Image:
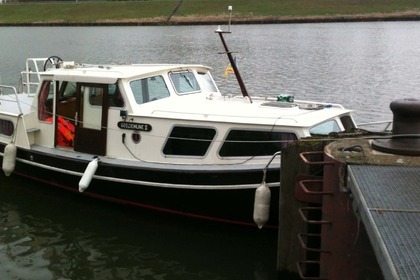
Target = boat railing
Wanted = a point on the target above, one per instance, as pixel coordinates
(14, 92)
(384, 126)
(30, 76)
(294, 101)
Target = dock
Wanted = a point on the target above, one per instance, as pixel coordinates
(349, 212)
(388, 201)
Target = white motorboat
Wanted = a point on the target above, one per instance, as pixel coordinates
(161, 137)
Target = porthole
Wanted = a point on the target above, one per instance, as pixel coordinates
(136, 137)
(6, 127)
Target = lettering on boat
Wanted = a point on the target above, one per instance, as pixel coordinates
(135, 126)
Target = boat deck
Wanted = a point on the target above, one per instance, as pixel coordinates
(388, 202)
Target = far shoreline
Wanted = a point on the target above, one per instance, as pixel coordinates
(190, 20)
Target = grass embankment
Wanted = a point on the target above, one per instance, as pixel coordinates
(204, 11)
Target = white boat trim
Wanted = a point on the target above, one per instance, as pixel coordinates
(152, 184)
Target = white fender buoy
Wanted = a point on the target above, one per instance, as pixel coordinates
(88, 175)
(9, 159)
(262, 205)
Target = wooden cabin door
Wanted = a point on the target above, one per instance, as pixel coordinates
(91, 118)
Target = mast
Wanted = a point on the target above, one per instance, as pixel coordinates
(230, 57)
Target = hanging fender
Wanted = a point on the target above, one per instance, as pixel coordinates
(262, 205)
(88, 174)
(9, 159)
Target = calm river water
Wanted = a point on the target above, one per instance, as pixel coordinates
(47, 234)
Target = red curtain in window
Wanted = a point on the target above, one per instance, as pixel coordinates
(43, 111)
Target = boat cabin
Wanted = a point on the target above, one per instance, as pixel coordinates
(162, 113)
(160, 137)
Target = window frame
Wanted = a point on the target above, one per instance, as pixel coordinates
(336, 125)
(232, 152)
(46, 93)
(145, 89)
(177, 89)
(191, 146)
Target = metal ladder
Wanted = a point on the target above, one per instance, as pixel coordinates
(310, 190)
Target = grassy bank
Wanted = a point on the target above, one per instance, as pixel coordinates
(203, 11)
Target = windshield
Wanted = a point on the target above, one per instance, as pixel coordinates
(149, 89)
(207, 82)
(184, 82)
(325, 128)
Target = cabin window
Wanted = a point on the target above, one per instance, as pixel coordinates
(66, 100)
(91, 116)
(240, 143)
(67, 90)
(6, 127)
(184, 82)
(325, 128)
(95, 95)
(348, 123)
(207, 81)
(149, 89)
(189, 141)
(114, 96)
(45, 101)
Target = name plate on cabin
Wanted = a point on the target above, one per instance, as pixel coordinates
(135, 126)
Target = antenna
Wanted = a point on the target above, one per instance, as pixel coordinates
(230, 57)
(230, 16)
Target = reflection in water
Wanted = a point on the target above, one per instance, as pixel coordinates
(51, 234)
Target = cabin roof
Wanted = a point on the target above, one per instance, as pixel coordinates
(218, 108)
(236, 110)
(110, 73)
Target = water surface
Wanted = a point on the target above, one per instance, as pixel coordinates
(48, 234)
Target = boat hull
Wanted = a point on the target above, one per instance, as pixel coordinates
(209, 194)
